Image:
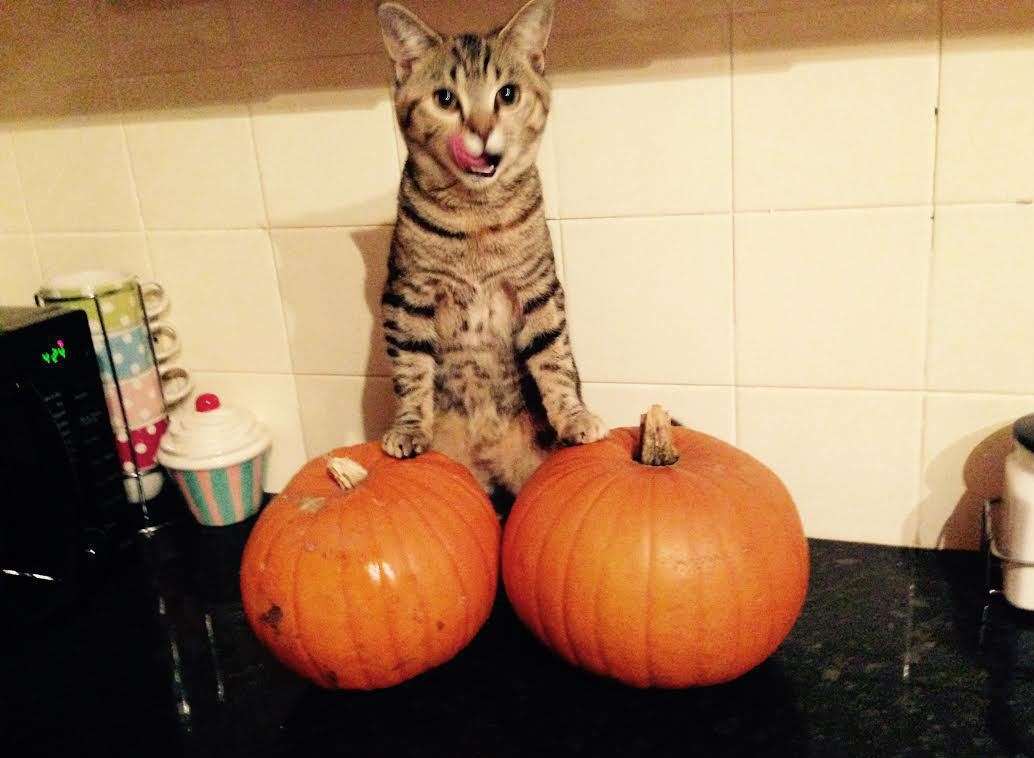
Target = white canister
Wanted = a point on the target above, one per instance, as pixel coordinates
(1014, 526)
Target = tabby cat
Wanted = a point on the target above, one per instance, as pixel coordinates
(473, 311)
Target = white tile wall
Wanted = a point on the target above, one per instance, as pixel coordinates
(225, 299)
(742, 197)
(13, 217)
(981, 310)
(653, 139)
(325, 143)
(75, 171)
(189, 138)
(849, 459)
(21, 274)
(547, 165)
(557, 238)
(331, 282)
(987, 74)
(832, 298)
(650, 299)
(343, 410)
(710, 410)
(834, 106)
(123, 251)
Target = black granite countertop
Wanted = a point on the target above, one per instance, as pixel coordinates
(883, 662)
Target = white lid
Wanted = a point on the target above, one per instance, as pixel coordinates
(213, 436)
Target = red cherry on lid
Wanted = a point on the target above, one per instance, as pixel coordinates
(206, 402)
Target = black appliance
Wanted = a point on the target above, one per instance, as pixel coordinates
(63, 507)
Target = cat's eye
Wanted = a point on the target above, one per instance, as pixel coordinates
(508, 94)
(445, 98)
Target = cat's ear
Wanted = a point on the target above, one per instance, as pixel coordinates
(528, 31)
(406, 37)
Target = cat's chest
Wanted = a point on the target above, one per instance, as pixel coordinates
(478, 314)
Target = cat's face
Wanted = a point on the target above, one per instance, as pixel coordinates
(472, 108)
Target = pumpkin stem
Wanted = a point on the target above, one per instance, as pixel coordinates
(656, 447)
(346, 472)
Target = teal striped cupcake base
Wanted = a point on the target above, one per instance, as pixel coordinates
(222, 496)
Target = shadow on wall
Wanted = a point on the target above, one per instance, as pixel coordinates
(65, 58)
(378, 400)
(983, 475)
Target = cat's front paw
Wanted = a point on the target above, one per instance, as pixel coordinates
(405, 441)
(581, 428)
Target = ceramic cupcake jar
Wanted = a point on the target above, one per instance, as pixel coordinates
(217, 455)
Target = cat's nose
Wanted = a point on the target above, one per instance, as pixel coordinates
(481, 126)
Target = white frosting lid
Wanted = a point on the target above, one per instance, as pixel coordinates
(212, 436)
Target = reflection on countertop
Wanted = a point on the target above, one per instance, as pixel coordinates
(884, 661)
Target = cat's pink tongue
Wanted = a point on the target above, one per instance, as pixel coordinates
(464, 159)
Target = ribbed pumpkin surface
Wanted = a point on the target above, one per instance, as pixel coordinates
(368, 587)
(659, 576)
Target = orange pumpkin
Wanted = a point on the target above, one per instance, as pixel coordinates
(659, 556)
(367, 570)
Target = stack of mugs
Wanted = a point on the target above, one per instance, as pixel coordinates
(133, 349)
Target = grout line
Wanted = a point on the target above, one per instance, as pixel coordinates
(928, 281)
(198, 230)
(732, 228)
(273, 254)
(36, 260)
(25, 209)
(389, 225)
(130, 165)
(683, 385)
(983, 203)
(134, 184)
(267, 228)
(21, 182)
(828, 209)
(816, 388)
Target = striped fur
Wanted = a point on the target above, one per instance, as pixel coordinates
(473, 310)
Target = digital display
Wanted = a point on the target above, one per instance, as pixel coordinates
(55, 354)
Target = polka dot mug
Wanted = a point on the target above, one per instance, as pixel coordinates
(114, 294)
(131, 350)
(137, 447)
(142, 396)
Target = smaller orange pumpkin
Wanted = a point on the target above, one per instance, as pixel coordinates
(367, 570)
(661, 557)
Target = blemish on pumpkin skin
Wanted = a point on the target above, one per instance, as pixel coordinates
(331, 678)
(311, 504)
(440, 625)
(272, 617)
